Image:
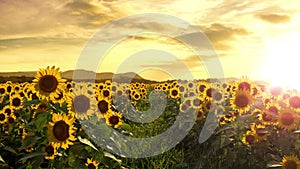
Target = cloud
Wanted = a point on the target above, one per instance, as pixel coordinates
(220, 35)
(275, 18)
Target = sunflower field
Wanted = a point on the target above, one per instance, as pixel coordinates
(51, 123)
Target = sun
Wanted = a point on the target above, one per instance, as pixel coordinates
(281, 64)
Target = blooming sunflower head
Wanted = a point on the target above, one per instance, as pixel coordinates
(113, 119)
(288, 119)
(61, 130)
(249, 138)
(290, 162)
(82, 101)
(241, 101)
(48, 82)
(16, 101)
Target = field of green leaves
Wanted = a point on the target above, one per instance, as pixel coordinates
(51, 123)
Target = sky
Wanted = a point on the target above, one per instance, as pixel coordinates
(256, 38)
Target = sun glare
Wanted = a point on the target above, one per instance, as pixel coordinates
(282, 63)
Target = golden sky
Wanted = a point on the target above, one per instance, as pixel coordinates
(256, 38)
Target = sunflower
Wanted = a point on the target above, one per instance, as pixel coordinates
(47, 82)
(290, 162)
(218, 96)
(60, 97)
(51, 152)
(260, 131)
(3, 117)
(61, 130)
(273, 109)
(288, 119)
(244, 84)
(241, 101)
(16, 101)
(249, 138)
(113, 119)
(82, 101)
(92, 164)
(195, 102)
(104, 105)
(294, 101)
(200, 114)
(8, 110)
(266, 118)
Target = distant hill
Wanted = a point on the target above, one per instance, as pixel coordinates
(81, 75)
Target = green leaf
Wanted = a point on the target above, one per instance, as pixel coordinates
(125, 126)
(29, 141)
(10, 149)
(42, 119)
(31, 102)
(32, 155)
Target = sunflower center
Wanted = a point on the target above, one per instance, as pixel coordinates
(250, 139)
(16, 102)
(241, 101)
(273, 111)
(48, 83)
(174, 92)
(295, 102)
(7, 111)
(244, 85)
(103, 106)
(91, 166)
(114, 120)
(196, 102)
(218, 96)
(209, 92)
(2, 91)
(2, 117)
(81, 104)
(49, 150)
(290, 164)
(106, 93)
(61, 130)
(266, 117)
(287, 119)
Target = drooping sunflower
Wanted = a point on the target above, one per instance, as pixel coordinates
(51, 152)
(113, 119)
(92, 164)
(288, 119)
(61, 130)
(16, 101)
(249, 138)
(241, 101)
(82, 101)
(290, 162)
(47, 82)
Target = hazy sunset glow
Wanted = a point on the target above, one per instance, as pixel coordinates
(257, 39)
